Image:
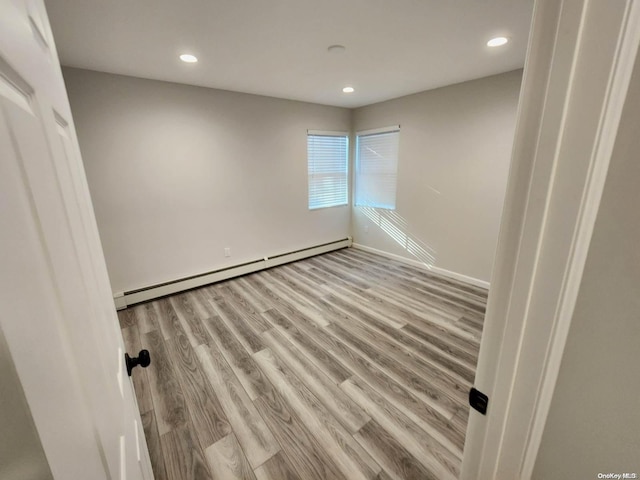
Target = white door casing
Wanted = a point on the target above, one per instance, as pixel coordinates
(579, 64)
(56, 312)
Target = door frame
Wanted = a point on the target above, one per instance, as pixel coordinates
(579, 64)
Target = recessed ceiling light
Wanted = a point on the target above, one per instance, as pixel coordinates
(497, 41)
(336, 48)
(348, 90)
(187, 58)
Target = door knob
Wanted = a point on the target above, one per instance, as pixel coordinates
(143, 359)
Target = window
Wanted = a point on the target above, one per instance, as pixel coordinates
(377, 167)
(327, 160)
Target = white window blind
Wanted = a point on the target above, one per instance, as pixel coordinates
(377, 167)
(327, 160)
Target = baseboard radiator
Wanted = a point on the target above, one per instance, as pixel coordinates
(126, 299)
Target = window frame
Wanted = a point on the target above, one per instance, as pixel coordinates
(327, 133)
(358, 202)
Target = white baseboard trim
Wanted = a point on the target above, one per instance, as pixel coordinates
(123, 300)
(120, 301)
(433, 269)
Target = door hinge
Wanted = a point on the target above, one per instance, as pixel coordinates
(478, 400)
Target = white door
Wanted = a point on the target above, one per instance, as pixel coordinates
(579, 64)
(56, 309)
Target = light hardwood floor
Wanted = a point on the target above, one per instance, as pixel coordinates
(342, 366)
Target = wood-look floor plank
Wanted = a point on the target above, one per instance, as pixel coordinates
(277, 467)
(460, 419)
(291, 296)
(347, 454)
(153, 445)
(313, 350)
(371, 305)
(371, 359)
(243, 302)
(210, 292)
(445, 340)
(427, 315)
(317, 276)
(471, 302)
(148, 318)
(327, 279)
(208, 418)
(437, 294)
(289, 319)
(256, 439)
(283, 301)
(463, 351)
(421, 304)
(296, 283)
(395, 282)
(433, 395)
(244, 367)
(183, 457)
(302, 278)
(421, 307)
(227, 461)
(421, 273)
(201, 303)
(341, 406)
(441, 354)
(464, 326)
(126, 318)
(132, 345)
(473, 323)
(168, 399)
(253, 296)
(347, 278)
(359, 305)
(397, 462)
(438, 370)
(434, 420)
(354, 259)
(438, 443)
(389, 275)
(188, 318)
(306, 456)
(383, 475)
(431, 454)
(369, 274)
(249, 339)
(168, 319)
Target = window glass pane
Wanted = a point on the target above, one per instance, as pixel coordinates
(376, 169)
(327, 161)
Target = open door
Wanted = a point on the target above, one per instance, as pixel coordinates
(56, 312)
(577, 74)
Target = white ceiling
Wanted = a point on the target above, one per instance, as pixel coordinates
(279, 47)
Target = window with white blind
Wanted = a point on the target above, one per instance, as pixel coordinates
(377, 167)
(327, 161)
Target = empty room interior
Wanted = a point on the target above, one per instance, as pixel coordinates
(339, 365)
(299, 206)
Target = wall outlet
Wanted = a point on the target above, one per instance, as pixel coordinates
(227, 252)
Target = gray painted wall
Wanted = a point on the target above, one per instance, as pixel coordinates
(179, 173)
(594, 421)
(455, 149)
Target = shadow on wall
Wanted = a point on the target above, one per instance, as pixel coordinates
(396, 227)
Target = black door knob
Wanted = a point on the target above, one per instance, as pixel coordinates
(143, 359)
